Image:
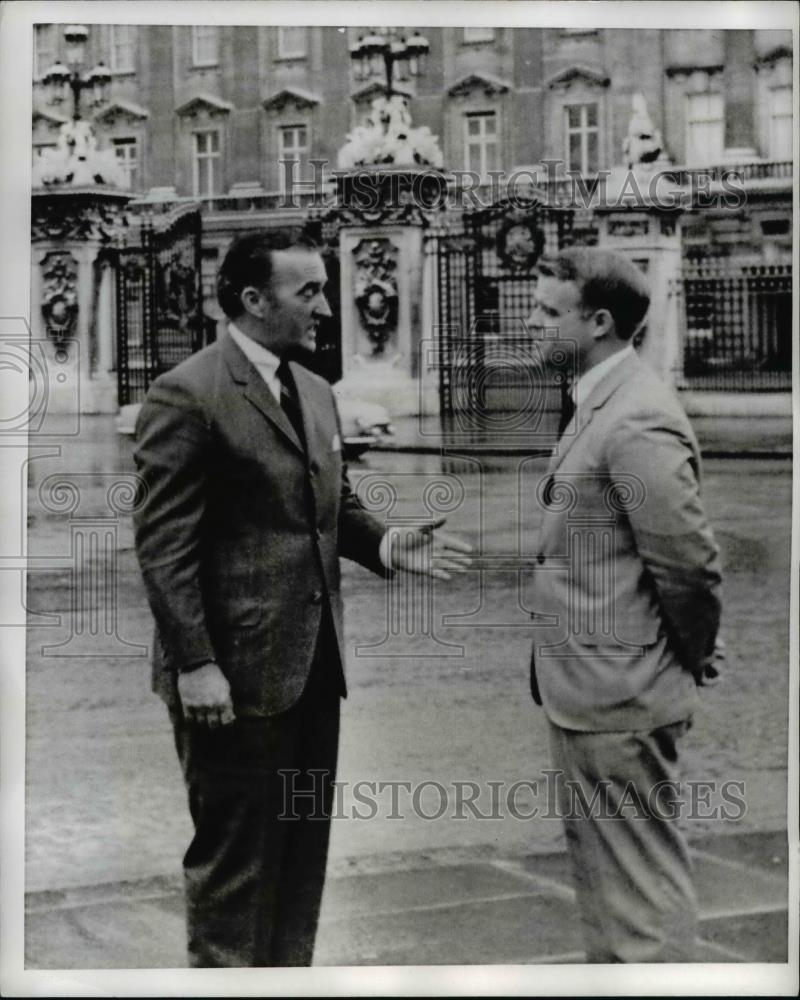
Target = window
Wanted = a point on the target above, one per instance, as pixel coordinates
(44, 48)
(209, 265)
(127, 154)
(206, 174)
(478, 33)
(705, 128)
(780, 123)
(291, 43)
(205, 45)
(480, 142)
(293, 147)
(582, 138)
(123, 48)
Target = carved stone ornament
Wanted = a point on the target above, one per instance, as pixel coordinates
(77, 215)
(375, 196)
(60, 294)
(376, 290)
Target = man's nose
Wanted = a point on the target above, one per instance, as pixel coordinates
(321, 307)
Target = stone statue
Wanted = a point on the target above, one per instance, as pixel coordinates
(388, 137)
(643, 143)
(76, 160)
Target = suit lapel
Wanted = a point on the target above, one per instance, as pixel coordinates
(584, 412)
(257, 392)
(305, 393)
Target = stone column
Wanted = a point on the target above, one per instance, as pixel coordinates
(651, 236)
(72, 298)
(383, 286)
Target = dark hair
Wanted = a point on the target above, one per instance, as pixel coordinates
(249, 262)
(606, 280)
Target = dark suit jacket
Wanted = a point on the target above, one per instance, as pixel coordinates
(626, 586)
(241, 530)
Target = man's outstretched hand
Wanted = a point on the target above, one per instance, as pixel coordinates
(429, 551)
(206, 696)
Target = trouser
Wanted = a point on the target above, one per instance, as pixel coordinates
(260, 794)
(630, 861)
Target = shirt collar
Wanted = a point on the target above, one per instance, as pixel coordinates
(259, 355)
(581, 389)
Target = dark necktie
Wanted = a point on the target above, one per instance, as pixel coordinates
(567, 407)
(290, 403)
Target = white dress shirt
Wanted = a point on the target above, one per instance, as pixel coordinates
(581, 389)
(266, 364)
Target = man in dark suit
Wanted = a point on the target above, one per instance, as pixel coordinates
(626, 595)
(247, 511)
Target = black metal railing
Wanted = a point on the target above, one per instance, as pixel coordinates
(736, 325)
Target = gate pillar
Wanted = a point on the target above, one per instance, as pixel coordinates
(71, 302)
(641, 218)
(383, 216)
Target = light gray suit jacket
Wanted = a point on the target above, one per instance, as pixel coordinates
(626, 587)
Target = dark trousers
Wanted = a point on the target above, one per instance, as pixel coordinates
(630, 861)
(260, 794)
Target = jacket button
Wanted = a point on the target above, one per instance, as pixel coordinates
(540, 559)
(316, 597)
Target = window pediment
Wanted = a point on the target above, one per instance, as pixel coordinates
(121, 111)
(689, 70)
(48, 118)
(478, 83)
(203, 104)
(370, 91)
(772, 56)
(565, 78)
(291, 97)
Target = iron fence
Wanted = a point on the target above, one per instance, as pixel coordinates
(736, 325)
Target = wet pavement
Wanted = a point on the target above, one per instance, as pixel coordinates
(105, 807)
(436, 908)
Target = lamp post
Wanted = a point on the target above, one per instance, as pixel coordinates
(397, 55)
(60, 78)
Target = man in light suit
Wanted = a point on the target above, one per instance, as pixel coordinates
(247, 511)
(626, 601)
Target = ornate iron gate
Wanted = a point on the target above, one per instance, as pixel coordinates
(485, 285)
(159, 302)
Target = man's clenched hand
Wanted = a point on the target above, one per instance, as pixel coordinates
(206, 696)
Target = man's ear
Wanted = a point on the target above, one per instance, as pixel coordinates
(253, 301)
(603, 324)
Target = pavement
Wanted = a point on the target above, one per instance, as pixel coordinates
(104, 830)
(445, 907)
(719, 437)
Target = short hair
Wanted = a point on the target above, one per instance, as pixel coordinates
(249, 262)
(606, 280)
